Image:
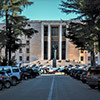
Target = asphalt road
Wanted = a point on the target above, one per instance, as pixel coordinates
(50, 87)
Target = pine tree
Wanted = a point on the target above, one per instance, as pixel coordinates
(88, 12)
(15, 24)
(78, 35)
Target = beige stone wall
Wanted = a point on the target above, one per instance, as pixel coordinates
(23, 54)
(85, 57)
(35, 43)
(73, 53)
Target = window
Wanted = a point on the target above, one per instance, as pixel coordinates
(89, 58)
(27, 50)
(63, 30)
(15, 69)
(82, 58)
(96, 58)
(29, 25)
(63, 49)
(82, 51)
(45, 50)
(8, 70)
(94, 72)
(20, 50)
(27, 42)
(27, 58)
(45, 30)
(89, 51)
(20, 41)
(54, 30)
(20, 58)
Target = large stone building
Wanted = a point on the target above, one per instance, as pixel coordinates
(42, 45)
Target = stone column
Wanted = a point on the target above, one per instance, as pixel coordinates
(67, 43)
(49, 42)
(42, 41)
(60, 43)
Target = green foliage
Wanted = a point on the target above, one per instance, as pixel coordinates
(84, 8)
(84, 34)
(13, 62)
(15, 25)
(3, 61)
(79, 35)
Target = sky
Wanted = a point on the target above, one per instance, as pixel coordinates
(46, 10)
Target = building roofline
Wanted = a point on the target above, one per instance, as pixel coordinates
(40, 21)
(61, 21)
(49, 20)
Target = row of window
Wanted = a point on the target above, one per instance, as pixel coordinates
(89, 58)
(21, 58)
(27, 50)
(54, 30)
(27, 42)
(82, 51)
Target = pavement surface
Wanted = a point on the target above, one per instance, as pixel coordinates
(50, 87)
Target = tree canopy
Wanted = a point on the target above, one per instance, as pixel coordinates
(84, 34)
(15, 25)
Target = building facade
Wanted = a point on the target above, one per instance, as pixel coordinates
(48, 43)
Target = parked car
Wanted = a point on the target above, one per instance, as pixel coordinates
(93, 75)
(29, 73)
(14, 72)
(78, 74)
(1, 85)
(99, 83)
(83, 76)
(36, 72)
(68, 69)
(33, 65)
(25, 74)
(74, 73)
(5, 80)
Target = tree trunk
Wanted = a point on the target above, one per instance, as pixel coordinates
(99, 58)
(10, 43)
(93, 59)
(6, 48)
(99, 48)
(9, 56)
(6, 54)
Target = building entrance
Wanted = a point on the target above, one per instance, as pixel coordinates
(54, 49)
